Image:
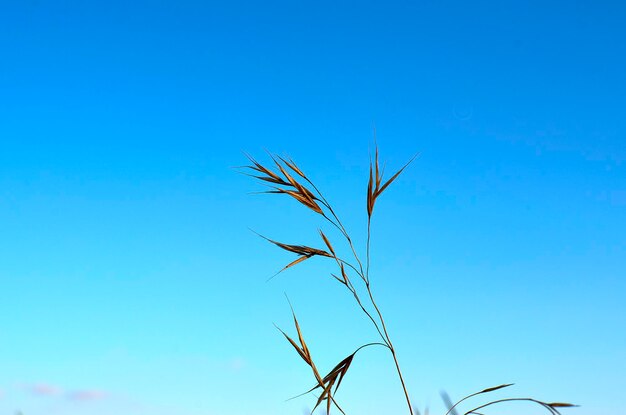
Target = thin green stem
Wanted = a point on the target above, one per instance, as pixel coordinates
(545, 405)
(367, 247)
(371, 344)
(391, 349)
(382, 320)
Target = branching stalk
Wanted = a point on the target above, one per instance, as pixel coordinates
(284, 181)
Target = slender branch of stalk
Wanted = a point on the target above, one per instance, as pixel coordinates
(343, 231)
(393, 352)
(351, 288)
(338, 225)
(346, 263)
(370, 344)
(382, 321)
(367, 247)
(358, 300)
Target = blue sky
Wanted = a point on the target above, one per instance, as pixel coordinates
(131, 283)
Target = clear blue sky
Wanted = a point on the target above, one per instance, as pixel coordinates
(131, 284)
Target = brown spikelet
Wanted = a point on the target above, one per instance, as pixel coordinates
(270, 179)
(317, 375)
(290, 185)
(326, 395)
(374, 188)
(333, 378)
(341, 366)
(306, 200)
(378, 173)
(300, 337)
(285, 173)
(388, 182)
(328, 398)
(292, 180)
(495, 388)
(304, 252)
(290, 163)
(270, 175)
(300, 351)
(337, 373)
(298, 249)
(296, 261)
(561, 405)
(344, 370)
(343, 273)
(337, 278)
(344, 277)
(300, 197)
(327, 242)
(305, 354)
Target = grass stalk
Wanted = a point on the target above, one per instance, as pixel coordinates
(288, 179)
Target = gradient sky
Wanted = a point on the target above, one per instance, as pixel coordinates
(132, 285)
